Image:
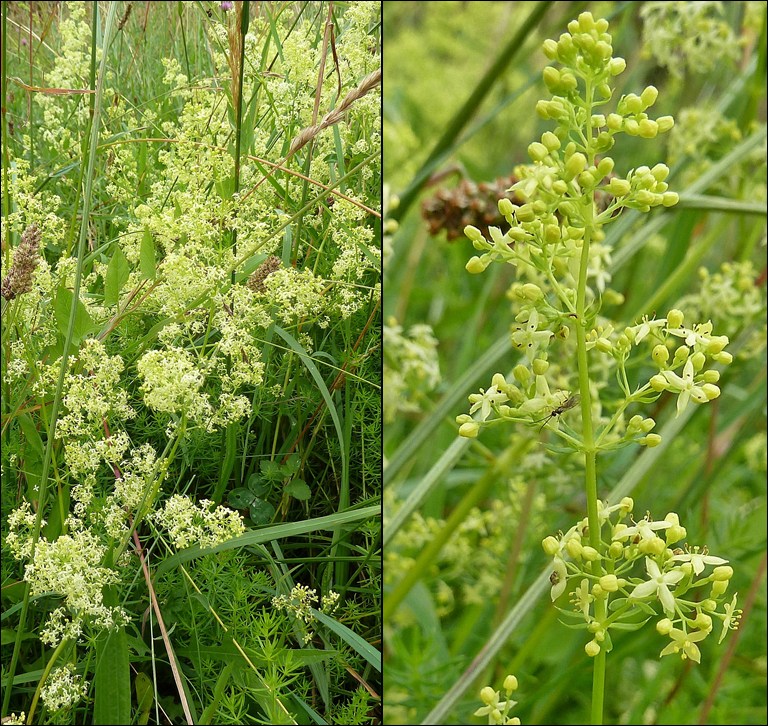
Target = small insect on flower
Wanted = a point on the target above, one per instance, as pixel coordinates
(569, 403)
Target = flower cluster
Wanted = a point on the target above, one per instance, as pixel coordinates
(496, 709)
(300, 602)
(642, 569)
(189, 524)
(63, 689)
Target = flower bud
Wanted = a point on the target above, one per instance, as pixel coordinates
(605, 166)
(719, 587)
(540, 366)
(723, 357)
(619, 187)
(660, 172)
(609, 583)
(681, 354)
(616, 66)
(550, 48)
(592, 648)
(615, 550)
(475, 265)
(650, 440)
(658, 383)
(722, 573)
(537, 151)
(675, 533)
(488, 695)
(633, 103)
(559, 187)
(660, 354)
(711, 376)
(647, 425)
(709, 605)
(551, 78)
(522, 374)
(703, 622)
(669, 199)
(698, 359)
(665, 123)
(550, 141)
(590, 554)
(675, 318)
(525, 213)
(469, 430)
(550, 546)
(575, 165)
(717, 343)
(552, 233)
(510, 684)
(649, 96)
(597, 120)
(574, 548)
(664, 626)
(614, 121)
(632, 127)
(532, 292)
(506, 207)
(648, 129)
(473, 233)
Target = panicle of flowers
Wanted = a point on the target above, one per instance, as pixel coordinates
(411, 367)
(299, 603)
(688, 36)
(14, 720)
(495, 709)
(63, 689)
(25, 260)
(189, 524)
(644, 564)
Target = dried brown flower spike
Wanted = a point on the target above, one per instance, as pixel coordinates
(19, 279)
(469, 203)
(262, 272)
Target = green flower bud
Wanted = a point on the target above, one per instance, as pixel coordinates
(703, 622)
(469, 430)
(551, 78)
(669, 199)
(590, 554)
(616, 66)
(487, 695)
(660, 172)
(574, 548)
(559, 187)
(698, 359)
(550, 48)
(681, 354)
(612, 297)
(665, 123)
(592, 648)
(575, 165)
(722, 573)
(601, 25)
(709, 605)
(614, 122)
(605, 166)
(550, 141)
(649, 96)
(632, 127)
(711, 376)
(633, 103)
(542, 108)
(619, 187)
(711, 391)
(648, 129)
(615, 550)
(540, 366)
(723, 357)
(505, 207)
(473, 233)
(675, 533)
(717, 343)
(719, 587)
(568, 81)
(660, 354)
(604, 345)
(609, 583)
(532, 292)
(522, 374)
(525, 213)
(604, 91)
(537, 151)
(603, 50)
(651, 440)
(475, 266)
(664, 626)
(646, 197)
(658, 383)
(675, 318)
(597, 120)
(635, 423)
(550, 546)
(463, 418)
(552, 234)
(510, 684)
(587, 179)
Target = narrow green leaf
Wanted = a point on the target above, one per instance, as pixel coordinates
(118, 271)
(147, 260)
(351, 638)
(145, 697)
(31, 434)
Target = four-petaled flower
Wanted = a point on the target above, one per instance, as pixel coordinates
(731, 619)
(529, 338)
(486, 400)
(659, 585)
(647, 326)
(699, 560)
(685, 386)
(644, 528)
(685, 642)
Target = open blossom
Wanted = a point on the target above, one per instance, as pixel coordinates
(658, 584)
(685, 644)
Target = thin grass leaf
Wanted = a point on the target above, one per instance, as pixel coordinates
(351, 638)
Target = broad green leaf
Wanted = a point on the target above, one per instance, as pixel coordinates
(257, 485)
(261, 511)
(62, 308)
(271, 470)
(240, 498)
(118, 271)
(298, 490)
(112, 679)
(145, 697)
(147, 259)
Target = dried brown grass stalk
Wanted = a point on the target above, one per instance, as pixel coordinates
(333, 117)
